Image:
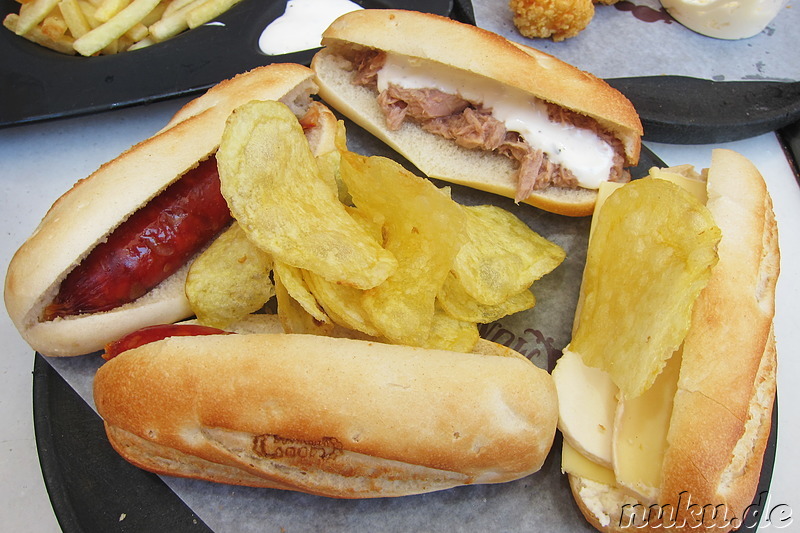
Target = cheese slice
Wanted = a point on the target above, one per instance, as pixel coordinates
(684, 176)
(640, 433)
(587, 402)
(574, 463)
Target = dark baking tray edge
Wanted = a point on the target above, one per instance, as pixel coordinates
(124, 497)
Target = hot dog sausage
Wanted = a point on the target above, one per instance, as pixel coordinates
(148, 247)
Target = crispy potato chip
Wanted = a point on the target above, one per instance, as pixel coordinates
(272, 184)
(229, 280)
(422, 228)
(502, 256)
(459, 304)
(650, 256)
(447, 333)
(485, 347)
(294, 318)
(291, 278)
(341, 303)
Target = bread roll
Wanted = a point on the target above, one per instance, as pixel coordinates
(722, 411)
(334, 417)
(481, 55)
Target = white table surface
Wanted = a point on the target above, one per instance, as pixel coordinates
(39, 162)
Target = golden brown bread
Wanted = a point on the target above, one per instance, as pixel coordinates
(486, 56)
(336, 417)
(722, 411)
(88, 212)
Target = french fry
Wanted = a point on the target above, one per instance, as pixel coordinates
(174, 5)
(156, 14)
(138, 32)
(32, 14)
(74, 17)
(103, 35)
(207, 11)
(109, 8)
(88, 10)
(174, 23)
(54, 25)
(35, 35)
(100, 27)
(144, 43)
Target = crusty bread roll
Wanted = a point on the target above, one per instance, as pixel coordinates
(86, 214)
(335, 417)
(486, 56)
(722, 411)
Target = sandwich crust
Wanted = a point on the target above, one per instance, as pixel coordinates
(94, 206)
(728, 375)
(363, 419)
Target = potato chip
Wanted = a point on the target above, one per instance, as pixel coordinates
(422, 228)
(341, 303)
(458, 303)
(447, 333)
(294, 318)
(650, 256)
(273, 186)
(229, 280)
(502, 256)
(291, 279)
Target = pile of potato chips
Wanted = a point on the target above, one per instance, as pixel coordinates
(91, 27)
(399, 261)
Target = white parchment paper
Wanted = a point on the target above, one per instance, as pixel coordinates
(617, 44)
(538, 503)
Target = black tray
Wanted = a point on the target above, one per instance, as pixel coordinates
(682, 110)
(38, 84)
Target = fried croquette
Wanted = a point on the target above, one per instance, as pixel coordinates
(556, 19)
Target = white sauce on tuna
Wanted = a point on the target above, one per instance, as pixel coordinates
(581, 151)
(301, 25)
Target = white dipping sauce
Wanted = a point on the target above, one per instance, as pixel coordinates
(301, 25)
(724, 19)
